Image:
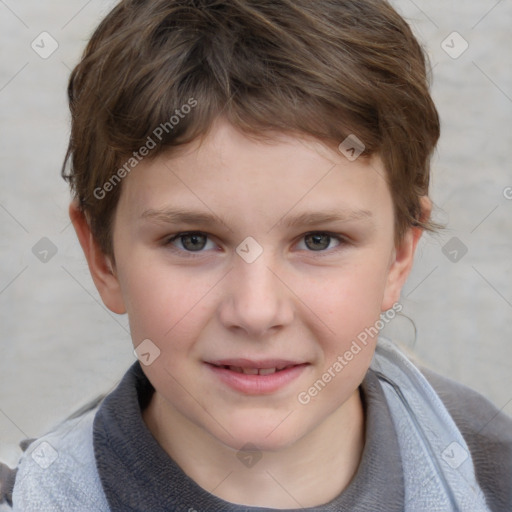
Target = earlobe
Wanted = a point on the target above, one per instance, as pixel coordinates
(100, 265)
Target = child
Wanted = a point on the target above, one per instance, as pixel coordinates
(250, 183)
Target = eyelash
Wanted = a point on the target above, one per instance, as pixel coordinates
(342, 241)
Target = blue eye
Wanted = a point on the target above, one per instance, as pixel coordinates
(190, 242)
(320, 241)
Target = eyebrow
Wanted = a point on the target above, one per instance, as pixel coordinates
(183, 216)
(179, 216)
(331, 216)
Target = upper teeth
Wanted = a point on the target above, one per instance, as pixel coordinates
(253, 371)
(267, 371)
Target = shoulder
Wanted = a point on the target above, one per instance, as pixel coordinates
(488, 434)
(7, 477)
(474, 414)
(58, 471)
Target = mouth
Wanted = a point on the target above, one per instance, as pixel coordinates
(254, 370)
(257, 377)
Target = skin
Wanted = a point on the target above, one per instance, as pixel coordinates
(293, 302)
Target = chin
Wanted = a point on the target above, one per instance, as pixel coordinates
(266, 436)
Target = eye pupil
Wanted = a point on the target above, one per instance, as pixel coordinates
(317, 241)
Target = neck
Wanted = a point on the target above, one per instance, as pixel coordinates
(311, 472)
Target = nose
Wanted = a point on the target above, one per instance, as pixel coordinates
(256, 300)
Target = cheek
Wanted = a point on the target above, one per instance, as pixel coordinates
(162, 304)
(348, 306)
(348, 299)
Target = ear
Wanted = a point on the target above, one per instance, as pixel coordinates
(403, 259)
(100, 265)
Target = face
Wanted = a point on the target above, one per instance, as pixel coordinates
(238, 257)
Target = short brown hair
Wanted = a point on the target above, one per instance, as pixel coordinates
(324, 68)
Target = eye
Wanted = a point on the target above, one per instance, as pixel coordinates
(320, 242)
(190, 242)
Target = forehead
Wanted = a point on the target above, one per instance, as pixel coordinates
(228, 171)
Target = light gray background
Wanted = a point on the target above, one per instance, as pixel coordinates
(60, 347)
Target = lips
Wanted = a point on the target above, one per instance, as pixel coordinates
(257, 376)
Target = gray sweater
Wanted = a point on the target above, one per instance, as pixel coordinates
(137, 475)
